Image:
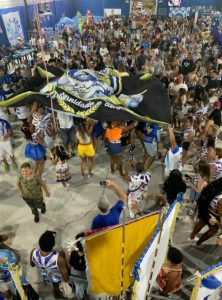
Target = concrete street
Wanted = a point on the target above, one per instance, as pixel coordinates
(70, 212)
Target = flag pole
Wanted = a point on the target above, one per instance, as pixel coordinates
(161, 222)
(15, 273)
(122, 294)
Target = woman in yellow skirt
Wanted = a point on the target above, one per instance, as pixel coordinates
(85, 147)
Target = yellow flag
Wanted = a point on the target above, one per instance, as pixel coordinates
(104, 254)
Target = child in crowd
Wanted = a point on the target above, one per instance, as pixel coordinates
(59, 159)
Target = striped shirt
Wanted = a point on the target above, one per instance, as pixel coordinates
(203, 151)
(214, 202)
(195, 179)
(4, 127)
(47, 264)
(218, 172)
(187, 132)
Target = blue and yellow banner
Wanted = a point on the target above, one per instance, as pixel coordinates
(105, 96)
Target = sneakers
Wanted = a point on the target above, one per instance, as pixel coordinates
(194, 244)
(66, 186)
(193, 241)
(131, 157)
(69, 154)
(72, 153)
(14, 165)
(132, 148)
(7, 167)
(43, 210)
(36, 219)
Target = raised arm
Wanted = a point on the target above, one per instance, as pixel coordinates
(89, 128)
(117, 189)
(173, 143)
(131, 126)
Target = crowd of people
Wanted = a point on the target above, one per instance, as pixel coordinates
(185, 56)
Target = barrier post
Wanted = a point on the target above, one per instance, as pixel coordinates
(161, 222)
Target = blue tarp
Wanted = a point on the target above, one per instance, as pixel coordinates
(97, 18)
(65, 21)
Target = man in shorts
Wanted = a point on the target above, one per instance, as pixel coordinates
(6, 145)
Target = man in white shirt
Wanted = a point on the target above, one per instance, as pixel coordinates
(173, 159)
(67, 131)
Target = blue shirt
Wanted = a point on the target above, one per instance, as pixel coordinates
(4, 127)
(151, 133)
(110, 219)
(145, 45)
